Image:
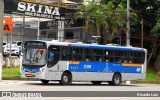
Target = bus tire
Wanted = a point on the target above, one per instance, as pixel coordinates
(44, 81)
(116, 80)
(65, 79)
(96, 82)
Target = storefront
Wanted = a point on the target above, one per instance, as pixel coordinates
(73, 29)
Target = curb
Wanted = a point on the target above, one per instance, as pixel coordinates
(19, 78)
(145, 82)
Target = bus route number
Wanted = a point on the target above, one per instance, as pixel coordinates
(87, 66)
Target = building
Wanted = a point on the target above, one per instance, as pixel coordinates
(31, 28)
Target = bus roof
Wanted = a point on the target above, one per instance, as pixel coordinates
(106, 47)
(91, 45)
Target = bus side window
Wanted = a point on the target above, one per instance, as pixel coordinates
(66, 53)
(138, 57)
(109, 54)
(88, 54)
(77, 54)
(118, 56)
(128, 57)
(106, 59)
(98, 55)
(98, 52)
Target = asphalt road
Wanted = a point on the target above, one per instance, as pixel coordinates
(18, 86)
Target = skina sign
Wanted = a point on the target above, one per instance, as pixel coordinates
(34, 9)
(38, 10)
(68, 23)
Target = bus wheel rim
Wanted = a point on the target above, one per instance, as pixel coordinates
(65, 78)
(116, 80)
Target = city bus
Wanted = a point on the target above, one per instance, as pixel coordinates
(71, 62)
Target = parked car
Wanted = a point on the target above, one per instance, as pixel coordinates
(14, 50)
(19, 43)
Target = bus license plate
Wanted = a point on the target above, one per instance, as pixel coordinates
(29, 75)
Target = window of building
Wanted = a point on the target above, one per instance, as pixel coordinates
(69, 35)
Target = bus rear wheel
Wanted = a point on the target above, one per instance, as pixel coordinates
(116, 80)
(44, 81)
(96, 82)
(65, 79)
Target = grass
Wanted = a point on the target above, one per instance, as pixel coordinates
(152, 76)
(12, 72)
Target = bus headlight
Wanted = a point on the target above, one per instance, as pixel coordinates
(42, 69)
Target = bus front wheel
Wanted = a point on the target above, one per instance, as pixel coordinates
(44, 81)
(96, 82)
(65, 79)
(116, 80)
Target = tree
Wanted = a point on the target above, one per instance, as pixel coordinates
(116, 18)
(156, 33)
(148, 11)
(86, 12)
(107, 15)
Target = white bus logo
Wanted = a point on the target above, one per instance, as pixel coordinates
(138, 69)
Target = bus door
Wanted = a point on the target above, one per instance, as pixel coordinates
(53, 58)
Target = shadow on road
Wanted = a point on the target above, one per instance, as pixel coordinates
(80, 84)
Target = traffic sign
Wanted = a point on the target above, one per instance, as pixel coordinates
(7, 25)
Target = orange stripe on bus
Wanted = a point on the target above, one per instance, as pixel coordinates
(133, 65)
(73, 62)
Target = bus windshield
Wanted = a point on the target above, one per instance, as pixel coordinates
(34, 56)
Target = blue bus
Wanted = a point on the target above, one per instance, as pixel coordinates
(69, 62)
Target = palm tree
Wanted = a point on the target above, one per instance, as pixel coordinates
(100, 16)
(115, 16)
(103, 15)
(85, 12)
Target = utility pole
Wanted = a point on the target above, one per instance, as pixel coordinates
(128, 29)
(128, 24)
(38, 31)
(22, 35)
(61, 29)
(1, 35)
